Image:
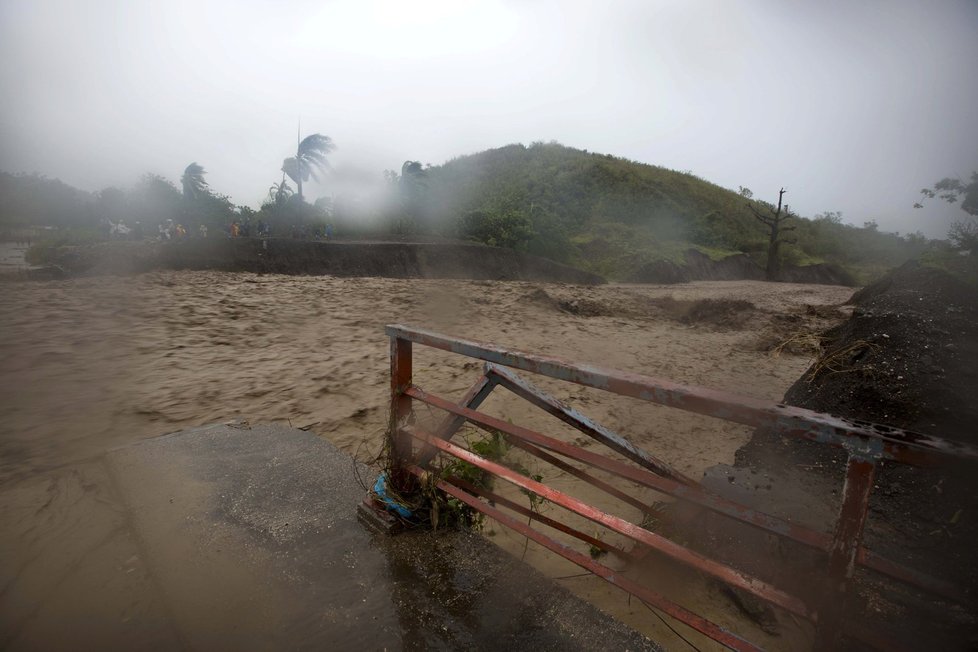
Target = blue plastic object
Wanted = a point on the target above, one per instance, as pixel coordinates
(380, 489)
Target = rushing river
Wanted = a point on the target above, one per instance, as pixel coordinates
(94, 363)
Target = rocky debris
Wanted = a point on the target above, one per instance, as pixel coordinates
(908, 357)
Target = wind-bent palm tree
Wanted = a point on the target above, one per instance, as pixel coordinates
(193, 182)
(310, 158)
(280, 192)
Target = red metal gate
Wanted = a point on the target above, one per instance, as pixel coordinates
(866, 445)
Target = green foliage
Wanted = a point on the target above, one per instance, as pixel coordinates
(509, 229)
(32, 199)
(955, 190)
(962, 234)
(493, 447)
(549, 237)
(279, 193)
(451, 511)
(210, 209)
(42, 251)
(827, 239)
(153, 200)
(949, 259)
(309, 160)
(292, 215)
(193, 182)
(616, 250)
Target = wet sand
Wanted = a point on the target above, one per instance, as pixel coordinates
(91, 364)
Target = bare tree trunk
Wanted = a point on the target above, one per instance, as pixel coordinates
(775, 228)
(773, 270)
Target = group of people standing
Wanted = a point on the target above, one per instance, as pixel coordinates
(171, 230)
(244, 229)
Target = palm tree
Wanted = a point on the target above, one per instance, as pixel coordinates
(310, 157)
(193, 182)
(280, 192)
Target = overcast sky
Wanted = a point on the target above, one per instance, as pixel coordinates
(851, 106)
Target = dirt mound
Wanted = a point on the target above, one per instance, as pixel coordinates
(913, 278)
(908, 357)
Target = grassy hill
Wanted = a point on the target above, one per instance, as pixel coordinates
(610, 215)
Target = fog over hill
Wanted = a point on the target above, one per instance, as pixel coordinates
(851, 107)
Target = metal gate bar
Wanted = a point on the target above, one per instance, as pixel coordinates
(697, 622)
(671, 549)
(569, 415)
(896, 444)
(472, 399)
(535, 515)
(865, 444)
(695, 494)
(583, 475)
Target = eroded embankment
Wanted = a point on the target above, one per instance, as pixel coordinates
(697, 266)
(304, 257)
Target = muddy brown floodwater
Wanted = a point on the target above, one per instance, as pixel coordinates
(91, 364)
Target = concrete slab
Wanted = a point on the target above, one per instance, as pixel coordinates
(250, 537)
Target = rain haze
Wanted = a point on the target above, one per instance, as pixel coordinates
(852, 108)
(200, 346)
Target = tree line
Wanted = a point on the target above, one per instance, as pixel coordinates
(32, 199)
(599, 212)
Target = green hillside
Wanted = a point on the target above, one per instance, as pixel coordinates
(610, 215)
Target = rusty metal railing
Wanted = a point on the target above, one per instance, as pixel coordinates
(866, 444)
